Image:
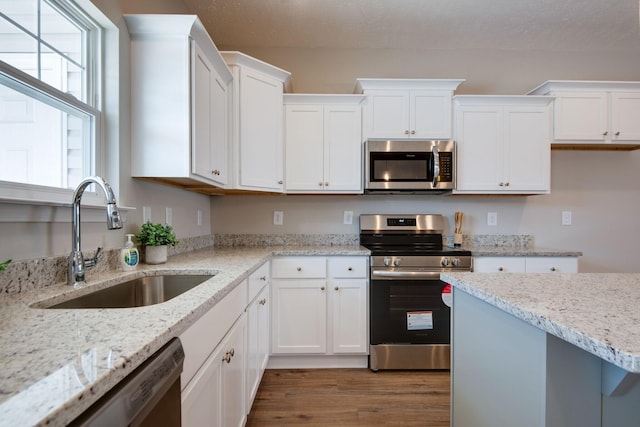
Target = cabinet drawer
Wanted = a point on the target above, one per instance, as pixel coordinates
(499, 264)
(299, 267)
(552, 265)
(348, 267)
(257, 280)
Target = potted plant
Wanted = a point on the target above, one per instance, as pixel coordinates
(155, 238)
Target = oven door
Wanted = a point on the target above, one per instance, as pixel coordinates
(408, 307)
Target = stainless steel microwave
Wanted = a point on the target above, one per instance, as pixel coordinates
(410, 166)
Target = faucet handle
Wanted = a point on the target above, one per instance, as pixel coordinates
(90, 262)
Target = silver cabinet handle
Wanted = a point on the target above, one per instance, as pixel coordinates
(436, 165)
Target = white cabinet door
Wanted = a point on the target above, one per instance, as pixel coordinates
(304, 147)
(625, 111)
(581, 116)
(388, 114)
(342, 149)
(527, 147)
(257, 343)
(503, 145)
(299, 317)
(349, 318)
(215, 396)
(261, 149)
(479, 149)
(430, 114)
(210, 122)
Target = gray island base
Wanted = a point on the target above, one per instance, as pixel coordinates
(545, 350)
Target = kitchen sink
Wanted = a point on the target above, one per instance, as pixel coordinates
(137, 292)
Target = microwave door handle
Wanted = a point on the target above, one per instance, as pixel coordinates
(436, 166)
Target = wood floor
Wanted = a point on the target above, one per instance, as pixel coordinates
(351, 397)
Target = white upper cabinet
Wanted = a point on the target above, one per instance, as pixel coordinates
(257, 157)
(594, 114)
(503, 144)
(323, 143)
(179, 108)
(407, 108)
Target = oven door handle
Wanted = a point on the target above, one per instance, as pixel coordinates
(405, 274)
(436, 166)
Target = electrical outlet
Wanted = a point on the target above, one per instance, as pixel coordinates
(278, 217)
(168, 216)
(146, 214)
(492, 218)
(566, 217)
(348, 217)
(199, 217)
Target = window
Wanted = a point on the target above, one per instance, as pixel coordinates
(49, 81)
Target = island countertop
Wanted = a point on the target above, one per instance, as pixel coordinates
(597, 312)
(57, 362)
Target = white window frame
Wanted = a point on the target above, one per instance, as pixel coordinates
(20, 193)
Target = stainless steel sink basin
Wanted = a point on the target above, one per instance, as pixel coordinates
(137, 292)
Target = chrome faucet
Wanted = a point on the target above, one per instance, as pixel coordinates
(77, 263)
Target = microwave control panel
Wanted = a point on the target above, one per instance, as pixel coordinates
(446, 167)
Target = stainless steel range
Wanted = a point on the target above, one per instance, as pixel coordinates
(409, 305)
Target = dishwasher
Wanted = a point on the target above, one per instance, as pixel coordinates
(149, 396)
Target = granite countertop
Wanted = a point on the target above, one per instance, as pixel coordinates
(57, 362)
(517, 251)
(597, 312)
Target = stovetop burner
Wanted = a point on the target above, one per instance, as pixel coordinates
(415, 234)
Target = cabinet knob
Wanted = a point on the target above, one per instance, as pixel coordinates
(299, 268)
(500, 268)
(320, 184)
(336, 288)
(263, 301)
(280, 182)
(406, 132)
(501, 184)
(326, 184)
(350, 268)
(263, 278)
(413, 132)
(617, 133)
(605, 133)
(215, 172)
(552, 269)
(226, 357)
(232, 352)
(322, 288)
(506, 184)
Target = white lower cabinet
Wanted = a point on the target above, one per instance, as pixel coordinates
(319, 305)
(213, 378)
(525, 264)
(258, 326)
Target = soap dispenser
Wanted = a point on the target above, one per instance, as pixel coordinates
(129, 255)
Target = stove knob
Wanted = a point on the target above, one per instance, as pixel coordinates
(387, 262)
(396, 262)
(455, 262)
(444, 262)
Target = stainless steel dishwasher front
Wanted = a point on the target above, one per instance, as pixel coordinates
(149, 396)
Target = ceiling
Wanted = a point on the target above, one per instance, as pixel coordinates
(548, 25)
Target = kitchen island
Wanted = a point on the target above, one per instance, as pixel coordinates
(57, 362)
(545, 349)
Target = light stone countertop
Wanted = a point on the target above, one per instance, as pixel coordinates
(57, 362)
(597, 312)
(516, 251)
